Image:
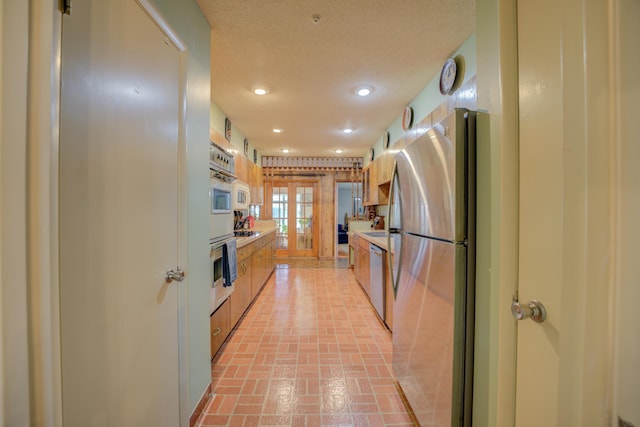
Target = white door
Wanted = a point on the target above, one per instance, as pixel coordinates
(566, 213)
(118, 218)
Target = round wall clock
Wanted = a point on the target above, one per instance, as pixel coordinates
(385, 140)
(407, 118)
(371, 154)
(255, 156)
(448, 76)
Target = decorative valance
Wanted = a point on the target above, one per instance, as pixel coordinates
(312, 163)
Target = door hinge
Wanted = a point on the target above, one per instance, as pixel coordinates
(66, 7)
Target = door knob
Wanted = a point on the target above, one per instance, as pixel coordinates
(177, 275)
(533, 310)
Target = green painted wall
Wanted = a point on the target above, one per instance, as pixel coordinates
(430, 97)
(237, 138)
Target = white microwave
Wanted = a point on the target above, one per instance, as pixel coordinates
(241, 195)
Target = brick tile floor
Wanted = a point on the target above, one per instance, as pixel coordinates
(309, 352)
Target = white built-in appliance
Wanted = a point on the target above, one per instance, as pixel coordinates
(221, 177)
(241, 196)
(216, 266)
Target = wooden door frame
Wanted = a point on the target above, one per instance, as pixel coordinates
(291, 183)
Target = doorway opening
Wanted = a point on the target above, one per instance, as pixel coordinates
(348, 207)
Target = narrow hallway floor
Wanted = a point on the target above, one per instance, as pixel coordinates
(309, 352)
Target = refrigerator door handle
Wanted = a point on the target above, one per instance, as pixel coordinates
(395, 255)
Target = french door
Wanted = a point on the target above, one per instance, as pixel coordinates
(294, 209)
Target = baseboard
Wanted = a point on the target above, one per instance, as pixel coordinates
(204, 400)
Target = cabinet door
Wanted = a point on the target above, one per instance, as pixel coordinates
(241, 296)
(257, 261)
(220, 327)
(373, 184)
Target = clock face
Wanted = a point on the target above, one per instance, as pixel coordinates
(407, 118)
(448, 76)
(386, 140)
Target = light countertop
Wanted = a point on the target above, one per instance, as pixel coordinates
(381, 242)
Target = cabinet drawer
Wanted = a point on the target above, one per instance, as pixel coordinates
(245, 252)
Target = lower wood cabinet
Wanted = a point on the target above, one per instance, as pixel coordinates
(256, 261)
(220, 326)
(241, 297)
(361, 263)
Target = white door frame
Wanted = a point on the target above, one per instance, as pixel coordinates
(35, 138)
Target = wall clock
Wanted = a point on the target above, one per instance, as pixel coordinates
(371, 154)
(407, 118)
(448, 76)
(255, 156)
(385, 140)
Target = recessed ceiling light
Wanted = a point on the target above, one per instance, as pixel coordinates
(277, 130)
(347, 130)
(363, 90)
(339, 151)
(260, 90)
(285, 150)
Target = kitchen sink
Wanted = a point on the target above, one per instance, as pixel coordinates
(375, 233)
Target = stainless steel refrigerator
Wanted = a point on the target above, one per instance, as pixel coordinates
(432, 226)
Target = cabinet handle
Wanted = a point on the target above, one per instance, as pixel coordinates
(216, 332)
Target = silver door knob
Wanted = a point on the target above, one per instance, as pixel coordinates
(533, 310)
(177, 275)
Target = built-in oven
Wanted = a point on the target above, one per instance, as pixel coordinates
(221, 176)
(216, 266)
(223, 254)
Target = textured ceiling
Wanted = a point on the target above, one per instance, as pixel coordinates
(311, 68)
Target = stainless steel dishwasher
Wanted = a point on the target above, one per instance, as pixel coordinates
(377, 278)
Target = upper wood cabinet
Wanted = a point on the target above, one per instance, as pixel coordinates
(256, 183)
(384, 167)
(250, 173)
(369, 185)
(242, 166)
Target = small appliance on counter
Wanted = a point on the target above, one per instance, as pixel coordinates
(378, 223)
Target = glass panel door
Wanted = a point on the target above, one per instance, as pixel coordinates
(280, 214)
(304, 218)
(294, 210)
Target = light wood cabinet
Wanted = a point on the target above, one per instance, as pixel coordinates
(220, 323)
(263, 263)
(370, 185)
(241, 297)
(256, 185)
(384, 168)
(256, 261)
(242, 167)
(361, 263)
